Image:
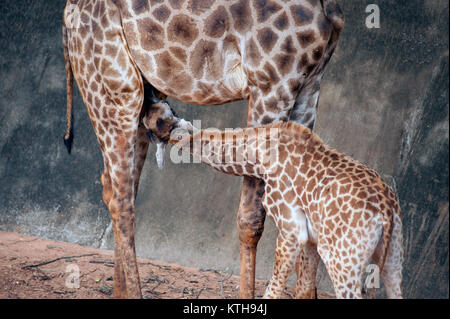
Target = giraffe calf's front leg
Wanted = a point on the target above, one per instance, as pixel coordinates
(285, 255)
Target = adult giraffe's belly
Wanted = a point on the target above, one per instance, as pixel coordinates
(209, 72)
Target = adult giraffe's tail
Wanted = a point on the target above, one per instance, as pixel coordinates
(334, 13)
(68, 137)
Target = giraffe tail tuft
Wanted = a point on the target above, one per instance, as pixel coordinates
(68, 137)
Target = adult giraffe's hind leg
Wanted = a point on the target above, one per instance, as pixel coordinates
(112, 90)
(124, 160)
(119, 195)
(124, 154)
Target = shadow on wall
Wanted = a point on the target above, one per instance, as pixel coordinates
(384, 100)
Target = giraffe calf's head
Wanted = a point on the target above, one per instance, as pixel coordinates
(160, 120)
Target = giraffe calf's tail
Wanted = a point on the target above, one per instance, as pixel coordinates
(388, 226)
(68, 137)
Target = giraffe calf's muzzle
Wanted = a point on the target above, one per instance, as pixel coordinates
(160, 120)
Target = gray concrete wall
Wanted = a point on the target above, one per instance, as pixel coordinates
(384, 100)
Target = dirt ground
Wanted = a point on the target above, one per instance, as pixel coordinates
(37, 268)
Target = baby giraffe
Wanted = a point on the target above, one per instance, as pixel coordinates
(316, 196)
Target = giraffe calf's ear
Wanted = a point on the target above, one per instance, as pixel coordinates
(151, 137)
(155, 100)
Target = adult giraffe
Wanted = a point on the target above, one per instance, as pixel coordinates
(270, 52)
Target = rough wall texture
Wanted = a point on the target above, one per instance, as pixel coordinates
(384, 100)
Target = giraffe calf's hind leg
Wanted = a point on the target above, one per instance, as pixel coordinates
(306, 268)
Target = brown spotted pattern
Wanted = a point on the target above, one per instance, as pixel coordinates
(200, 52)
(226, 43)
